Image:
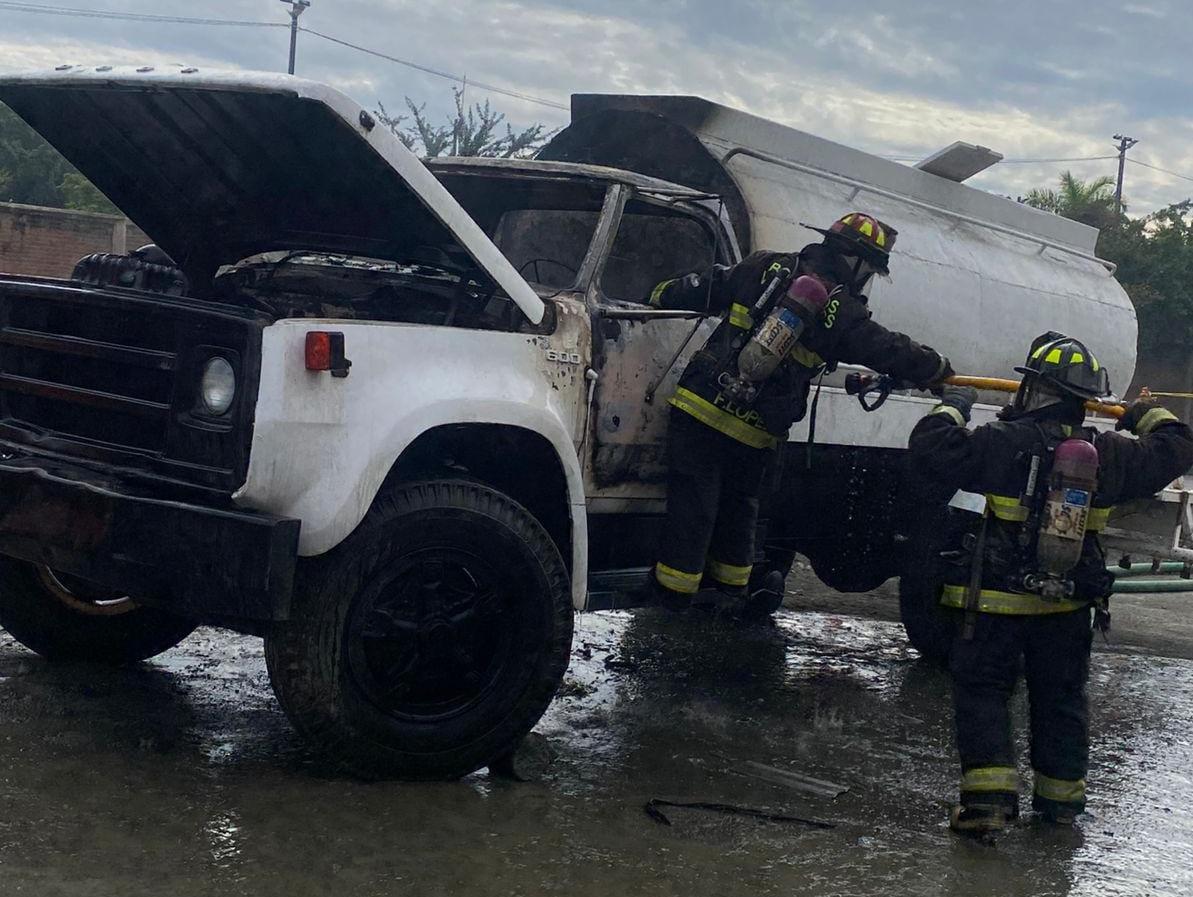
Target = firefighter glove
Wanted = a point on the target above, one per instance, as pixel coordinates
(935, 383)
(959, 397)
(1136, 412)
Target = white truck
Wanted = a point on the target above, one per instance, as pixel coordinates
(402, 419)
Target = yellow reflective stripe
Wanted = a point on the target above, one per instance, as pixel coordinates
(993, 601)
(1060, 790)
(805, 356)
(722, 421)
(867, 228)
(1153, 419)
(1053, 357)
(990, 778)
(656, 295)
(677, 580)
(739, 316)
(1004, 507)
(1076, 358)
(950, 411)
(728, 574)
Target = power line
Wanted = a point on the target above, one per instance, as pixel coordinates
(1183, 177)
(440, 74)
(80, 13)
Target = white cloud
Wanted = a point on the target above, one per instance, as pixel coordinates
(1021, 77)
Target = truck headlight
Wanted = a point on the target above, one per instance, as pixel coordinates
(217, 387)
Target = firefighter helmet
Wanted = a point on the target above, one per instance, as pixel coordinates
(1066, 365)
(861, 235)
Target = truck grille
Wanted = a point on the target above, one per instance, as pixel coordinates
(112, 376)
(92, 372)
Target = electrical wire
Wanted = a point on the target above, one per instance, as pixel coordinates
(81, 13)
(1183, 177)
(440, 74)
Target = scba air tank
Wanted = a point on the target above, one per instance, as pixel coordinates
(778, 334)
(1063, 523)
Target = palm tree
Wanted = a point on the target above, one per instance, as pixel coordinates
(1090, 202)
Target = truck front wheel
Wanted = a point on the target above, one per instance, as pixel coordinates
(430, 641)
(63, 617)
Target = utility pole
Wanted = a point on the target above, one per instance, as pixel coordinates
(297, 8)
(1124, 144)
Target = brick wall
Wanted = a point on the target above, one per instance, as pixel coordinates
(38, 240)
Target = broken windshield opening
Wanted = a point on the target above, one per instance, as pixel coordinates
(543, 226)
(654, 243)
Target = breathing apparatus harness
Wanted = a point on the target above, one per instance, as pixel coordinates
(780, 316)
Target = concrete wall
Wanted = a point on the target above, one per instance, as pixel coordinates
(38, 240)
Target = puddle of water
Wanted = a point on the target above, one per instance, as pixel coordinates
(182, 776)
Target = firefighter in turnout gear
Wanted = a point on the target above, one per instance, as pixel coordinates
(1023, 574)
(786, 317)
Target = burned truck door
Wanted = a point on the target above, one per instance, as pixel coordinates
(642, 350)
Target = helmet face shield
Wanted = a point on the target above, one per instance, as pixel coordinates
(861, 272)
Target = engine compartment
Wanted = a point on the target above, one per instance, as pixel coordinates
(314, 284)
(440, 290)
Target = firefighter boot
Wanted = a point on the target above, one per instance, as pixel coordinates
(978, 819)
(767, 597)
(756, 601)
(655, 594)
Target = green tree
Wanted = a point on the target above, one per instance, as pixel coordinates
(1090, 202)
(472, 131)
(34, 169)
(1154, 255)
(80, 194)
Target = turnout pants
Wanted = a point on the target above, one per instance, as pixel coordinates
(713, 490)
(1055, 650)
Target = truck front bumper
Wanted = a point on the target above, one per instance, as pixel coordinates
(200, 561)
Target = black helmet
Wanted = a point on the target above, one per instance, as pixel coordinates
(863, 236)
(1065, 365)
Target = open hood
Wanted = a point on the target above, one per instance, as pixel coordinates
(219, 166)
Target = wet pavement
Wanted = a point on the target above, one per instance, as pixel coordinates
(182, 777)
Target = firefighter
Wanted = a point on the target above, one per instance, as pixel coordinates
(1022, 568)
(723, 435)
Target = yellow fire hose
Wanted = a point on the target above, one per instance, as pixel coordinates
(999, 384)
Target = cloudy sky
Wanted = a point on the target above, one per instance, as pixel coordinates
(1033, 79)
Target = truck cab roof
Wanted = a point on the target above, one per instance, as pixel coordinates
(571, 170)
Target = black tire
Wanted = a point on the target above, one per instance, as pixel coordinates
(431, 641)
(64, 618)
(929, 627)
